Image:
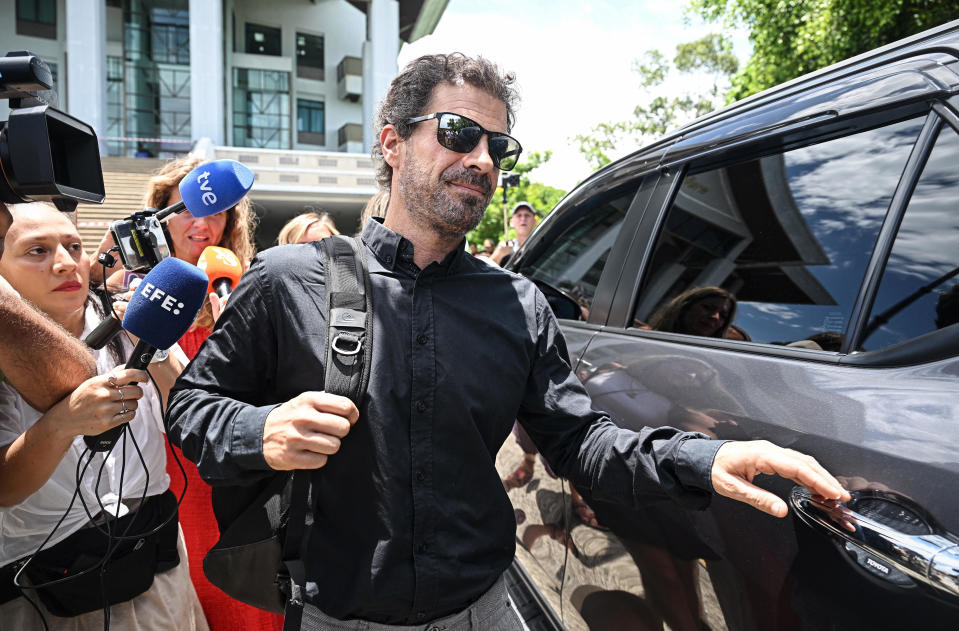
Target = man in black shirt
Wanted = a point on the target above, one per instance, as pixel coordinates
(412, 525)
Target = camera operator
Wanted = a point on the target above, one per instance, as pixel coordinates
(38, 358)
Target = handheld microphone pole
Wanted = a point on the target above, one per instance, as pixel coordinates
(222, 267)
(160, 312)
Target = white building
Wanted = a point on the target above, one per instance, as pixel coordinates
(288, 87)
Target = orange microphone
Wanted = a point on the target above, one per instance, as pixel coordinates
(222, 267)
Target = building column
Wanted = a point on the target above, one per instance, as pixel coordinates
(207, 103)
(86, 84)
(379, 58)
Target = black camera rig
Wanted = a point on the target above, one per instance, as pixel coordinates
(45, 154)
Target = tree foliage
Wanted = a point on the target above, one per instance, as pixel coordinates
(793, 37)
(541, 196)
(710, 56)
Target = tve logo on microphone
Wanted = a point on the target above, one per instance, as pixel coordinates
(154, 293)
(208, 197)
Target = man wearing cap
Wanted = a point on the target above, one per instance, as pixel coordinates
(523, 220)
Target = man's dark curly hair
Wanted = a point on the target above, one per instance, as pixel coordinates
(410, 93)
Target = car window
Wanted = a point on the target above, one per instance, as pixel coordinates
(573, 262)
(919, 289)
(774, 249)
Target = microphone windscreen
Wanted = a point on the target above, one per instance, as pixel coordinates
(218, 263)
(166, 302)
(214, 187)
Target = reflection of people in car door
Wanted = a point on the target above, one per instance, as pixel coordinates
(661, 538)
(704, 311)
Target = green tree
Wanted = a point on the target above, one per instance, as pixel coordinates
(793, 37)
(541, 196)
(710, 56)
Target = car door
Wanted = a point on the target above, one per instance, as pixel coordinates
(575, 258)
(834, 260)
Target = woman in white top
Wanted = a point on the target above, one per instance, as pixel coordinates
(41, 455)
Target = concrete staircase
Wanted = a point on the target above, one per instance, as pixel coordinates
(125, 182)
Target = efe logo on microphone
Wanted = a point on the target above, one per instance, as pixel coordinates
(153, 293)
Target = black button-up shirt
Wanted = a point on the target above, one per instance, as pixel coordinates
(411, 521)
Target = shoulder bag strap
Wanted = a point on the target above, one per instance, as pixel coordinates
(349, 350)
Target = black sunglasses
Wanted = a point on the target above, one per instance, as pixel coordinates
(460, 134)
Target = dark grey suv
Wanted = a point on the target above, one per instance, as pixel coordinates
(784, 269)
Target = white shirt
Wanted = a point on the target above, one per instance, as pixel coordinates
(24, 527)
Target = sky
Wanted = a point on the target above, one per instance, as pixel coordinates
(573, 61)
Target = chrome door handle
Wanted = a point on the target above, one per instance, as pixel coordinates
(889, 536)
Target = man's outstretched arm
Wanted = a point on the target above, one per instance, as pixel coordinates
(40, 359)
(737, 463)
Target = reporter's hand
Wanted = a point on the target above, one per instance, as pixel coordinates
(121, 303)
(737, 463)
(217, 304)
(96, 406)
(303, 432)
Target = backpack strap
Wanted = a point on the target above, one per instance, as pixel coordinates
(349, 350)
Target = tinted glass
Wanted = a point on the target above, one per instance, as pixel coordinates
(262, 40)
(919, 290)
(309, 116)
(573, 263)
(787, 235)
(309, 50)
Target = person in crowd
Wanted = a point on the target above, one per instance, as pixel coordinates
(522, 220)
(488, 248)
(189, 236)
(429, 530)
(42, 453)
(704, 311)
(307, 227)
(26, 334)
(375, 207)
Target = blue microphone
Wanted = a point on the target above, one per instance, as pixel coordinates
(163, 308)
(211, 188)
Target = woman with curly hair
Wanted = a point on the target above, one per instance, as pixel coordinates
(189, 236)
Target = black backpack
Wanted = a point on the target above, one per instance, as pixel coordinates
(258, 559)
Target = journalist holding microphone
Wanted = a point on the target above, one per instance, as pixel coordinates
(24, 333)
(191, 239)
(46, 472)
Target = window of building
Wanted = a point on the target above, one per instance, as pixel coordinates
(309, 56)
(788, 235)
(310, 123)
(114, 105)
(170, 35)
(37, 18)
(263, 40)
(148, 90)
(919, 289)
(572, 264)
(261, 108)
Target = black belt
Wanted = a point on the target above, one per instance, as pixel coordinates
(84, 547)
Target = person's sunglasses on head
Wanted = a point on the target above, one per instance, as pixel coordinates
(460, 134)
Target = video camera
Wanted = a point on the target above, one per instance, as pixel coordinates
(212, 187)
(45, 154)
